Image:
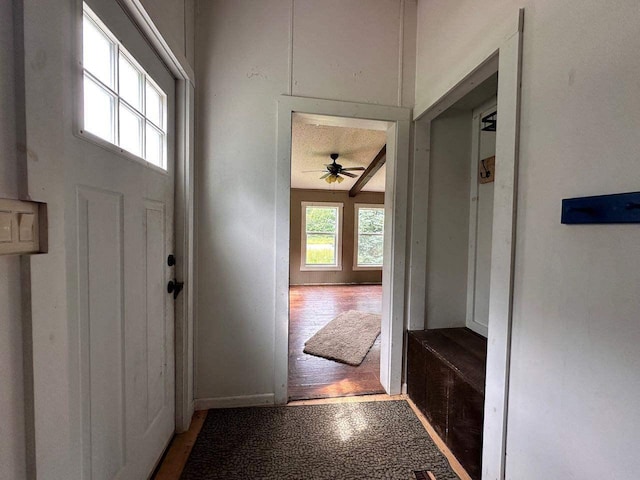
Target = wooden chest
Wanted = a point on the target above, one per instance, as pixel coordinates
(445, 379)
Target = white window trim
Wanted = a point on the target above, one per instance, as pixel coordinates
(303, 240)
(79, 130)
(357, 207)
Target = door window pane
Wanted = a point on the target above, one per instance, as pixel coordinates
(130, 80)
(155, 142)
(154, 106)
(97, 53)
(130, 131)
(122, 103)
(98, 110)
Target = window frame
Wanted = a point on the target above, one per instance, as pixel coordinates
(356, 235)
(304, 267)
(118, 49)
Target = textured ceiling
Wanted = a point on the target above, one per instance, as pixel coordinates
(312, 144)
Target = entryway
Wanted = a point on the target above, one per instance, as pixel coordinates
(326, 236)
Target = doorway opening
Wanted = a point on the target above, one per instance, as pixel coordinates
(336, 256)
(397, 120)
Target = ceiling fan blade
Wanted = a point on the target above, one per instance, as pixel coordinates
(347, 174)
(324, 176)
(313, 171)
(353, 168)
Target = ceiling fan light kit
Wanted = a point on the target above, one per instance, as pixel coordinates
(335, 171)
(333, 178)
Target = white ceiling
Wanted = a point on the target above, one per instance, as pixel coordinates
(314, 139)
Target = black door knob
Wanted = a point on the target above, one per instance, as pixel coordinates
(175, 287)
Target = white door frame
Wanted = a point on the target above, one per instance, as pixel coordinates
(506, 58)
(395, 232)
(184, 211)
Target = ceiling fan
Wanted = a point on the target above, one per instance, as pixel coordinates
(336, 172)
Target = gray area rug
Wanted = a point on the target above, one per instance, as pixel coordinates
(347, 338)
(349, 441)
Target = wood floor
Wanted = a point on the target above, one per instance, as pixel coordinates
(312, 307)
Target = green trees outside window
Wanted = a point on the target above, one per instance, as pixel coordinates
(321, 232)
(370, 236)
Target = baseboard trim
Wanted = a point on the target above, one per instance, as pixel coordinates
(333, 284)
(231, 402)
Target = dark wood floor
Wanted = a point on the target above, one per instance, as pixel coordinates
(311, 308)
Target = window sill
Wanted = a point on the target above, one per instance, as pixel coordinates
(364, 268)
(310, 268)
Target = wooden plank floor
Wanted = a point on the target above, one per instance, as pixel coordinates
(311, 308)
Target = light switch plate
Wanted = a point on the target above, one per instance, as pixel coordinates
(22, 227)
(26, 224)
(5, 227)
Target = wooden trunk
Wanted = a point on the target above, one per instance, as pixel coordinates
(445, 379)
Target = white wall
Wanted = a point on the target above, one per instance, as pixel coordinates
(448, 220)
(12, 421)
(574, 377)
(247, 54)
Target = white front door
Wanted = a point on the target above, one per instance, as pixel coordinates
(104, 386)
(123, 217)
(124, 220)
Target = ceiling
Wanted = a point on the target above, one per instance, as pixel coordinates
(314, 139)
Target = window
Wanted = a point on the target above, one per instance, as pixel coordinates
(321, 236)
(122, 104)
(369, 236)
